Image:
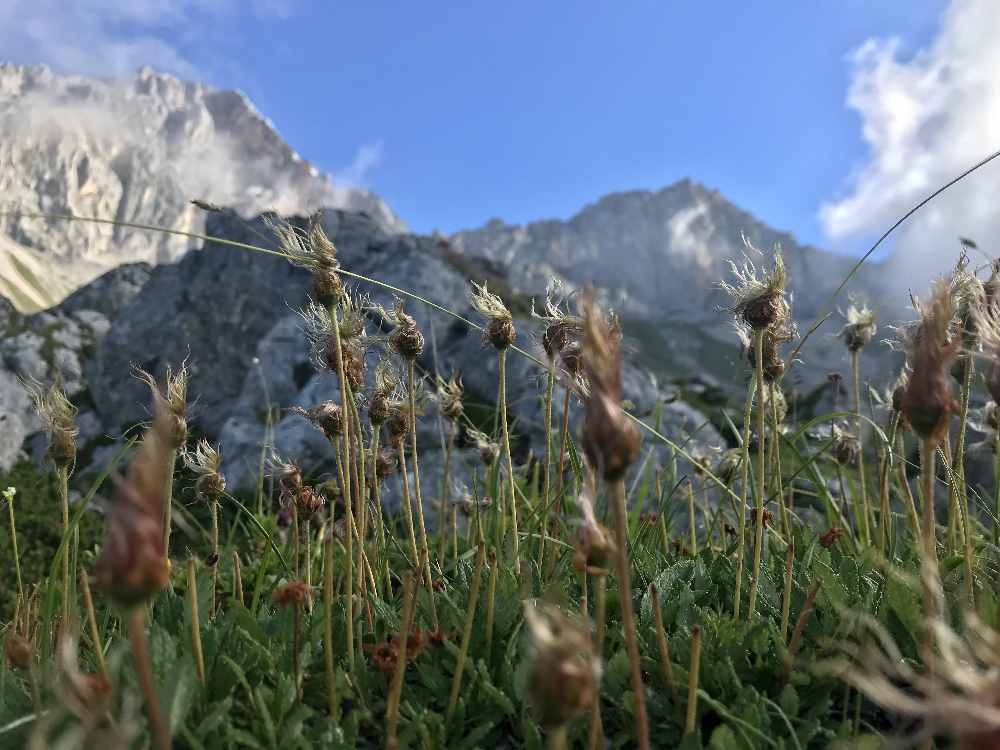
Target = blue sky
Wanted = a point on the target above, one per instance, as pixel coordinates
(528, 110)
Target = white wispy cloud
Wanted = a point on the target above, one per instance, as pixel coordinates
(114, 37)
(926, 117)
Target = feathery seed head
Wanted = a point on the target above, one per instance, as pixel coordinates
(204, 461)
(406, 339)
(561, 327)
(860, 327)
(931, 346)
(562, 671)
(286, 473)
(326, 417)
(489, 449)
(174, 399)
(311, 249)
(775, 337)
(449, 396)
(758, 295)
(499, 330)
(58, 416)
(309, 502)
(322, 336)
(845, 447)
(729, 464)
(595, 547)
(610, 440)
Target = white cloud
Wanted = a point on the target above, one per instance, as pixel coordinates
(925, 119)
(367, 158)
(114, 37)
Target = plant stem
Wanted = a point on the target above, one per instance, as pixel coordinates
(963, 494)
(786, 598)
(470, 617)
(144, 671)
(215, 557)
(758, 539)
(237, 578)
(95, 634)
(62, 476)
(661, 640)
(491, 590)
(744, 491)
(446, 526)
(408, 507)
(199, 656)
(556, 738)
(600, 623)
(331, 677)
(547, 473)
(168, 500)
(628, 613)
(865, 509)
(563, 433)
(691, 519)
(996, 473)
(396, 689)
(505, 433)
(927, 477)
(693, 674)
(424, 550)
(17, 557)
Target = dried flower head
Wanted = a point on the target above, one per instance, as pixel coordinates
(385, 657)
(729, 464)
(205, 461)
(610, 440)
(286, 473)
(322, 332)
(499, 329)
(595, 547)
(293, 594)
(774, 337)
(59, 418)
(931, 345)
(959, 692)
(311, 249)
(758, 295)
(132, 565)
(845, 446)
(489, 449)
(561, 327)
(987, 318)
(173, 397)
(860, 327)
(326, 417)
(449, 396)
(309, 502)
(406, 339)
(830, 536)
(386, 464)
(385, 391)
(563, 673)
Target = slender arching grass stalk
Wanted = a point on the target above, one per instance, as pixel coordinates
(505, 436)
(596, 733)
(199, 655)
(885, 512)
(470, 617)
(862, 483)
(693, 675)
(9, 497)
(744, 491)
(617, 488)
(424, 549)
(692, 518)
(759, 478)
(95, 634)
(144, 670)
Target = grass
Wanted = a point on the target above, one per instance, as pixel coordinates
(531, 631)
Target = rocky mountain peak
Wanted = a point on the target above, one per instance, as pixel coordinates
(137, 151)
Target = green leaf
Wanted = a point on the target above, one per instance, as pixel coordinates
(180, 693)
(723, 738)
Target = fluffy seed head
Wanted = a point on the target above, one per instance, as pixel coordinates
(322, 336)
(499, 330)
(174, 399)
(931, 346)
(59, 418)
(489, 450)
(860, 327)
(758, 295)
(610, 440)
(326, 417)
(563, 672)
(406, 339)
(204, 461)
(845, 446)
(132, 565)
(595, 547)
(311, 249)
(287, 474)
(561, 328)
(449, 396)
